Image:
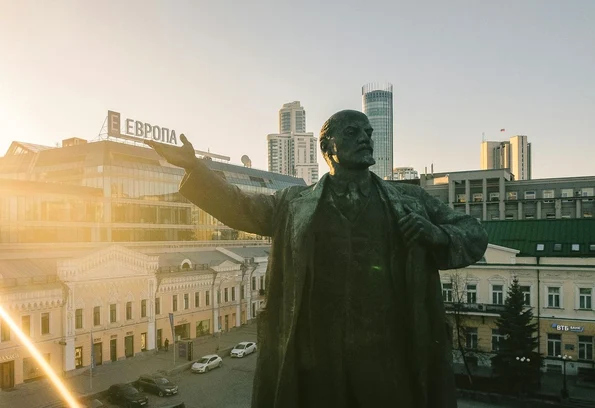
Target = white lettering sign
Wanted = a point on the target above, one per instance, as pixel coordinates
(139, 129)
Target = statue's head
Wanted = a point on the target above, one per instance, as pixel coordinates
(346, 140)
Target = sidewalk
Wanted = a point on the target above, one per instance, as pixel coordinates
(40, 394)
(551, 383)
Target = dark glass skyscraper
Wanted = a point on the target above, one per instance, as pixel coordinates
(377, 104)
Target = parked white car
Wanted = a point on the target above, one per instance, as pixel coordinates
(243, 349)
(206, 363)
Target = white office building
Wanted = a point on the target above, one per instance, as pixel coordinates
(292, 151)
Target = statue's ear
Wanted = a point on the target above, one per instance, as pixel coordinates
(323, 146)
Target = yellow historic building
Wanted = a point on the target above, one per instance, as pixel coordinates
(554, 261)
(115, 302)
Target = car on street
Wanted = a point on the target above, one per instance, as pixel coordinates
(156, 384)
(127, 396)
(243, 349)
(207, 363)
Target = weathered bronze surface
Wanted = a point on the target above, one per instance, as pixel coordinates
(354, 314)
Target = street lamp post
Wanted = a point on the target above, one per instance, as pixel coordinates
(564, 358)
(522, 361)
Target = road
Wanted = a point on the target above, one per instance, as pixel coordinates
(229, 386)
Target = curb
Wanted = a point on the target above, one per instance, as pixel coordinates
(510, 401)
(223, 353)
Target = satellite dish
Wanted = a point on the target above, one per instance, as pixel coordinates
(246, 161)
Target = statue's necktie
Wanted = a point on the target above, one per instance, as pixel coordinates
(354, 201)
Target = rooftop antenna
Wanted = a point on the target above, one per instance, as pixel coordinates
(483, 136)
(102, 131)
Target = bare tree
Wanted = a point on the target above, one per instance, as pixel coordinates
(458, 305)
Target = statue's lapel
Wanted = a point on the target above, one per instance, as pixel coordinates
(397, 201)
(302, 211)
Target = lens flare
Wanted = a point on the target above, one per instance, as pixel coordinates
(39, 358)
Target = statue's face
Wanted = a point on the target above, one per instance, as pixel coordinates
(352, 145)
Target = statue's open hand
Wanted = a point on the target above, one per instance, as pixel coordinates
(180, 156)
(418, 229)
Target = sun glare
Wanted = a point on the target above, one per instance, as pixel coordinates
(44, 365)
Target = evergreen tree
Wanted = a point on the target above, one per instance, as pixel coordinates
(516, 364)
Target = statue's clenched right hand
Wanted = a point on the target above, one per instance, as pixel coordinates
(180, 156)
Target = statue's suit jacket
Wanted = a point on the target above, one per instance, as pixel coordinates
(287, 216)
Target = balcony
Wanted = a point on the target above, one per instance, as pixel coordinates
(485, 308)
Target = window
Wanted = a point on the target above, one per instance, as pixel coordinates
(78, 319)
(174, 303)
(566, 193)
(575, 247)
(587, 214)
(557, 247)
(529, 195)
(471, 338)
(526, 295)
(4, 331)
(78, 357)
(218, 297)
(592, 247)
(196, 299)
(584, 295)
(186, 301)
(226, 294)
(494, 196)
(128, 310)
(207, 298)
(509, 216)
(253, 283)
(262, 282)
(242, 291)
(157, 306)
(498, 294)
(548, 193)
(233, 294)
(477, 197)
(550, 216)
(529, 216)
(511, 195)
(112, 313)
(540, 247)
(97, 315)
(585, 347)
(471, 293)
(447, 292)
(45, 323)
(587, 192)
(554, 345)
(143, 308)
(566, 215)
(26, 325)
(461, 198)
(553, 297)
(496, 339)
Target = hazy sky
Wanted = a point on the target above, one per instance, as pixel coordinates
(220, 70)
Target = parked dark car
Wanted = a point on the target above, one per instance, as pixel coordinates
(127, 396)
(156, 384)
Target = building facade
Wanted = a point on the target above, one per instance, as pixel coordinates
(555, 266)
(110, 192)
(292, 151)
(405, 173)
(377, 104)
(514, 155)
(113, 302)
(495, 195)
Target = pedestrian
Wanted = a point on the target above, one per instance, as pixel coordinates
(166, 344)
